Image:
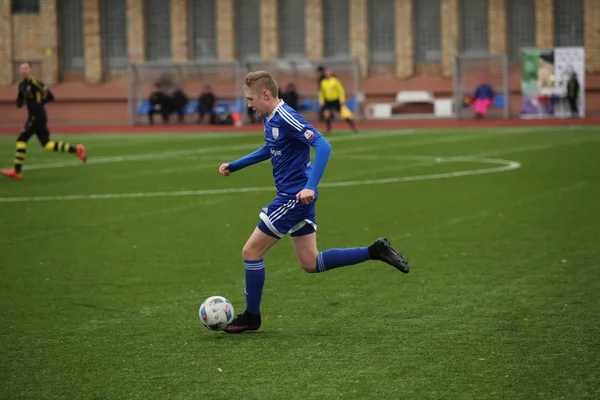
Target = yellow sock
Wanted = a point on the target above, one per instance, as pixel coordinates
(59, 146)
(20, 155)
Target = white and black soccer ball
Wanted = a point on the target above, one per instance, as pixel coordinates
(216, 313)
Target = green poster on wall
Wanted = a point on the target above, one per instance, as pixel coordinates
(537, 81)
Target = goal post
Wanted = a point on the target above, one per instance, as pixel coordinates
(468, 72)
(303, 74)
(225, 78)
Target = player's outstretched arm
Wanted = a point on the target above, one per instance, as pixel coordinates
(255, 157)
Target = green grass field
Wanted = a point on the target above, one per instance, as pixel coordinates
(103, 268)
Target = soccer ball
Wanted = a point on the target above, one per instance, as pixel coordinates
(216, 313)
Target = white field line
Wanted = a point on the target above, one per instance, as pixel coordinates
(504, 165)
(208, 150)
(424, 159)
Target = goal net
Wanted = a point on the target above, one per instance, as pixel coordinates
(225, 78)
(469, 70)
(302, 73)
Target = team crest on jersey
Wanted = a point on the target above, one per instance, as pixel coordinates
(275, 133)
(309, 135)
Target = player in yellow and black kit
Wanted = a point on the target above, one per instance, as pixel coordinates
(34, 94)
(332, 99)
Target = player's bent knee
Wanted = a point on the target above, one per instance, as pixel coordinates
(254, 251)
(309, 267)
(250, 252)
(308, 262)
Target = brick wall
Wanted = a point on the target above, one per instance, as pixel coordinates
(592, 35)
(269, 46)
(6, 50)
(34, 37)
(359, 29)
(136, 48)
(544, 23)
(497, 35)
(49, 41)
(404, 39)
(226, 30)
(26, 38)
(313, 21)
(92, 41)
(180, 49)
(450, 35)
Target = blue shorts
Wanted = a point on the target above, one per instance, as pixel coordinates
(288, 215)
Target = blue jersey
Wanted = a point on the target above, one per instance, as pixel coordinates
(288, 138)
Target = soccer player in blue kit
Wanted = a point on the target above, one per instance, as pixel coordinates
(288, 139)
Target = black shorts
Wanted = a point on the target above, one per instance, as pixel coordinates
(332, 105)
(35, 126)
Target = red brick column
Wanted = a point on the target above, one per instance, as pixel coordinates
(592, 35)
(313, 22)
(6, 39)
(269, 41)
(136, 44)
(450, 35)
(497, 34)
(544, 24)
(180, 49)
(92, 41)
(226, 30)
(405, 53)
(359, 33)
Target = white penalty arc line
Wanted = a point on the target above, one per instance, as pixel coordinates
(505, 165)
(211, 150)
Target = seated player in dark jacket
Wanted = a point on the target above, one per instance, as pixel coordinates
(290, 96)
(206, 103)
(167, 98)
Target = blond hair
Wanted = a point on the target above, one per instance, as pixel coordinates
(261, 80)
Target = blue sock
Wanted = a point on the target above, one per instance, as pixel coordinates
(335, 258)
(255, 280)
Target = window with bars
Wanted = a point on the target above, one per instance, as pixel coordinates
(474, 26)
(336, 28)
(521, 26)
(290, 21)
(247, 23)
(158, 29)
(382, 31)
(25, 6)
(70, 31)
(114, 34)
(568, 23)
(203, 42)
(427, 32)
